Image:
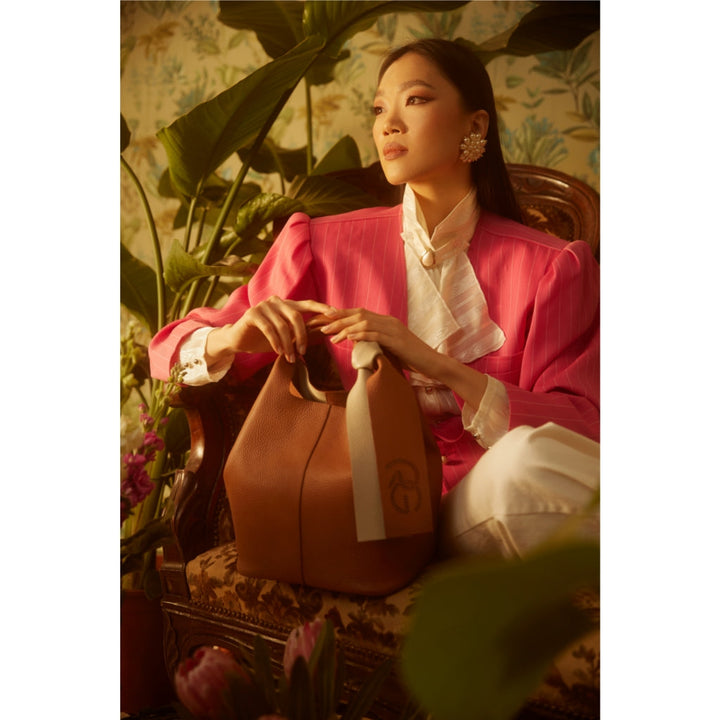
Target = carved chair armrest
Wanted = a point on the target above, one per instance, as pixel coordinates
(215, 413)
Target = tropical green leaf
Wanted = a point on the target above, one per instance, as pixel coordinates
(343, 155)
(508, 622)
(263, 670)
(272, 158)
(200, 141)
(244, 700)
(138, 288)
(364, 698)
(321, 666)
(338, 21)
(182, 268)
(326, 195)
(549, 26)
(279, 28)
(301, 699)
(262, 209)
(323, 70)
(277, 24)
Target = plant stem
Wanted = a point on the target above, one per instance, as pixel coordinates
(152, 502)
(143, 399)
(201, 227)
(159, 272)
(308, 126)
(188, 225)
(211, 287)
(279, 166)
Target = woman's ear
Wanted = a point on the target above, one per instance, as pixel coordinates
(480, 122)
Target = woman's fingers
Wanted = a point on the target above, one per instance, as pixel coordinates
(282, 322)
(360, 324)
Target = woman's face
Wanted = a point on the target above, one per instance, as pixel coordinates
(420, 121)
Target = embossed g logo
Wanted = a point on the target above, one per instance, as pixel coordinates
(405, 493)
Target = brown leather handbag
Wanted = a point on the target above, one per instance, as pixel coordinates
(335, 490)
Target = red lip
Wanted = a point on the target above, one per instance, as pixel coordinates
(393, 150)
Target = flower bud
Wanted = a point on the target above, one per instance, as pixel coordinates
(201, 682)
(300, 643)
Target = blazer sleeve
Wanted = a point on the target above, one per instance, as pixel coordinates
(285, 272)
(560, 372)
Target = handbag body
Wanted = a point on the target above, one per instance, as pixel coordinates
(300, 473)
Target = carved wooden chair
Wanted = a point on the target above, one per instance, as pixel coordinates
(207, 602)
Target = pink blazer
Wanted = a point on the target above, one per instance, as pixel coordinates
(543, 292)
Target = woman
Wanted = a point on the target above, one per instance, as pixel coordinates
(497, 324)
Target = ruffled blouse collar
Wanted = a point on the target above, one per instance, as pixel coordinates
(450, 237)
(446, 305)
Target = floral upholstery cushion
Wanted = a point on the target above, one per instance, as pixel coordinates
(373, 623)
(376, 624)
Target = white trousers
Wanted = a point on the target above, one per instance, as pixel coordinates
(532, 484)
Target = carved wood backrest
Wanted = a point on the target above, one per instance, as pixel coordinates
(550, 201)
(557, 203)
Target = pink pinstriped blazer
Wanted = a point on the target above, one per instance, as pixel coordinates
(543, 292)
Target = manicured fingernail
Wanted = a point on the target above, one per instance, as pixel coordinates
(326, 329)
(290, 358)
(301, 349)
(332, 311)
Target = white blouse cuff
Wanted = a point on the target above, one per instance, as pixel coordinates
(192, 360)
(492, 419)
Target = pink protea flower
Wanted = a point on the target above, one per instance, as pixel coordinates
(201, 682)
(300, 643)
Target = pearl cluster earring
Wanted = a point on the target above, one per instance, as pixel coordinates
(472, 147)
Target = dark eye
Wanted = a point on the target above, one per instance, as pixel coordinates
(416, 100)
(376, 110)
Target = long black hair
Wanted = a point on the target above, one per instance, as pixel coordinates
(466, 72)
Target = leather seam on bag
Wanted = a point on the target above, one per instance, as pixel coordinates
(302, 488)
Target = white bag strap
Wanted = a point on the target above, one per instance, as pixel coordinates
(369, 517)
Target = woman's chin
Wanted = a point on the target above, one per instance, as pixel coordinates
(393, 175)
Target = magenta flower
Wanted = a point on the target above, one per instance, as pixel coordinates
(136, 485)
(153, 440)
(300, 644)
(146, 419)
(201, 682)
(152, 443)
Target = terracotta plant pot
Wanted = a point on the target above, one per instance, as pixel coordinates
(144, 681)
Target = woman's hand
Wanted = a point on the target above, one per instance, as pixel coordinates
(360, 324)
(274, 324)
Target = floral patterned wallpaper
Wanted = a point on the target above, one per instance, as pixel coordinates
(177, 54)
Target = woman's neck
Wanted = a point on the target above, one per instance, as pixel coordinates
(436, 206)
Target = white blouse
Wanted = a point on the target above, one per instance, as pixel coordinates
(446, 309)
